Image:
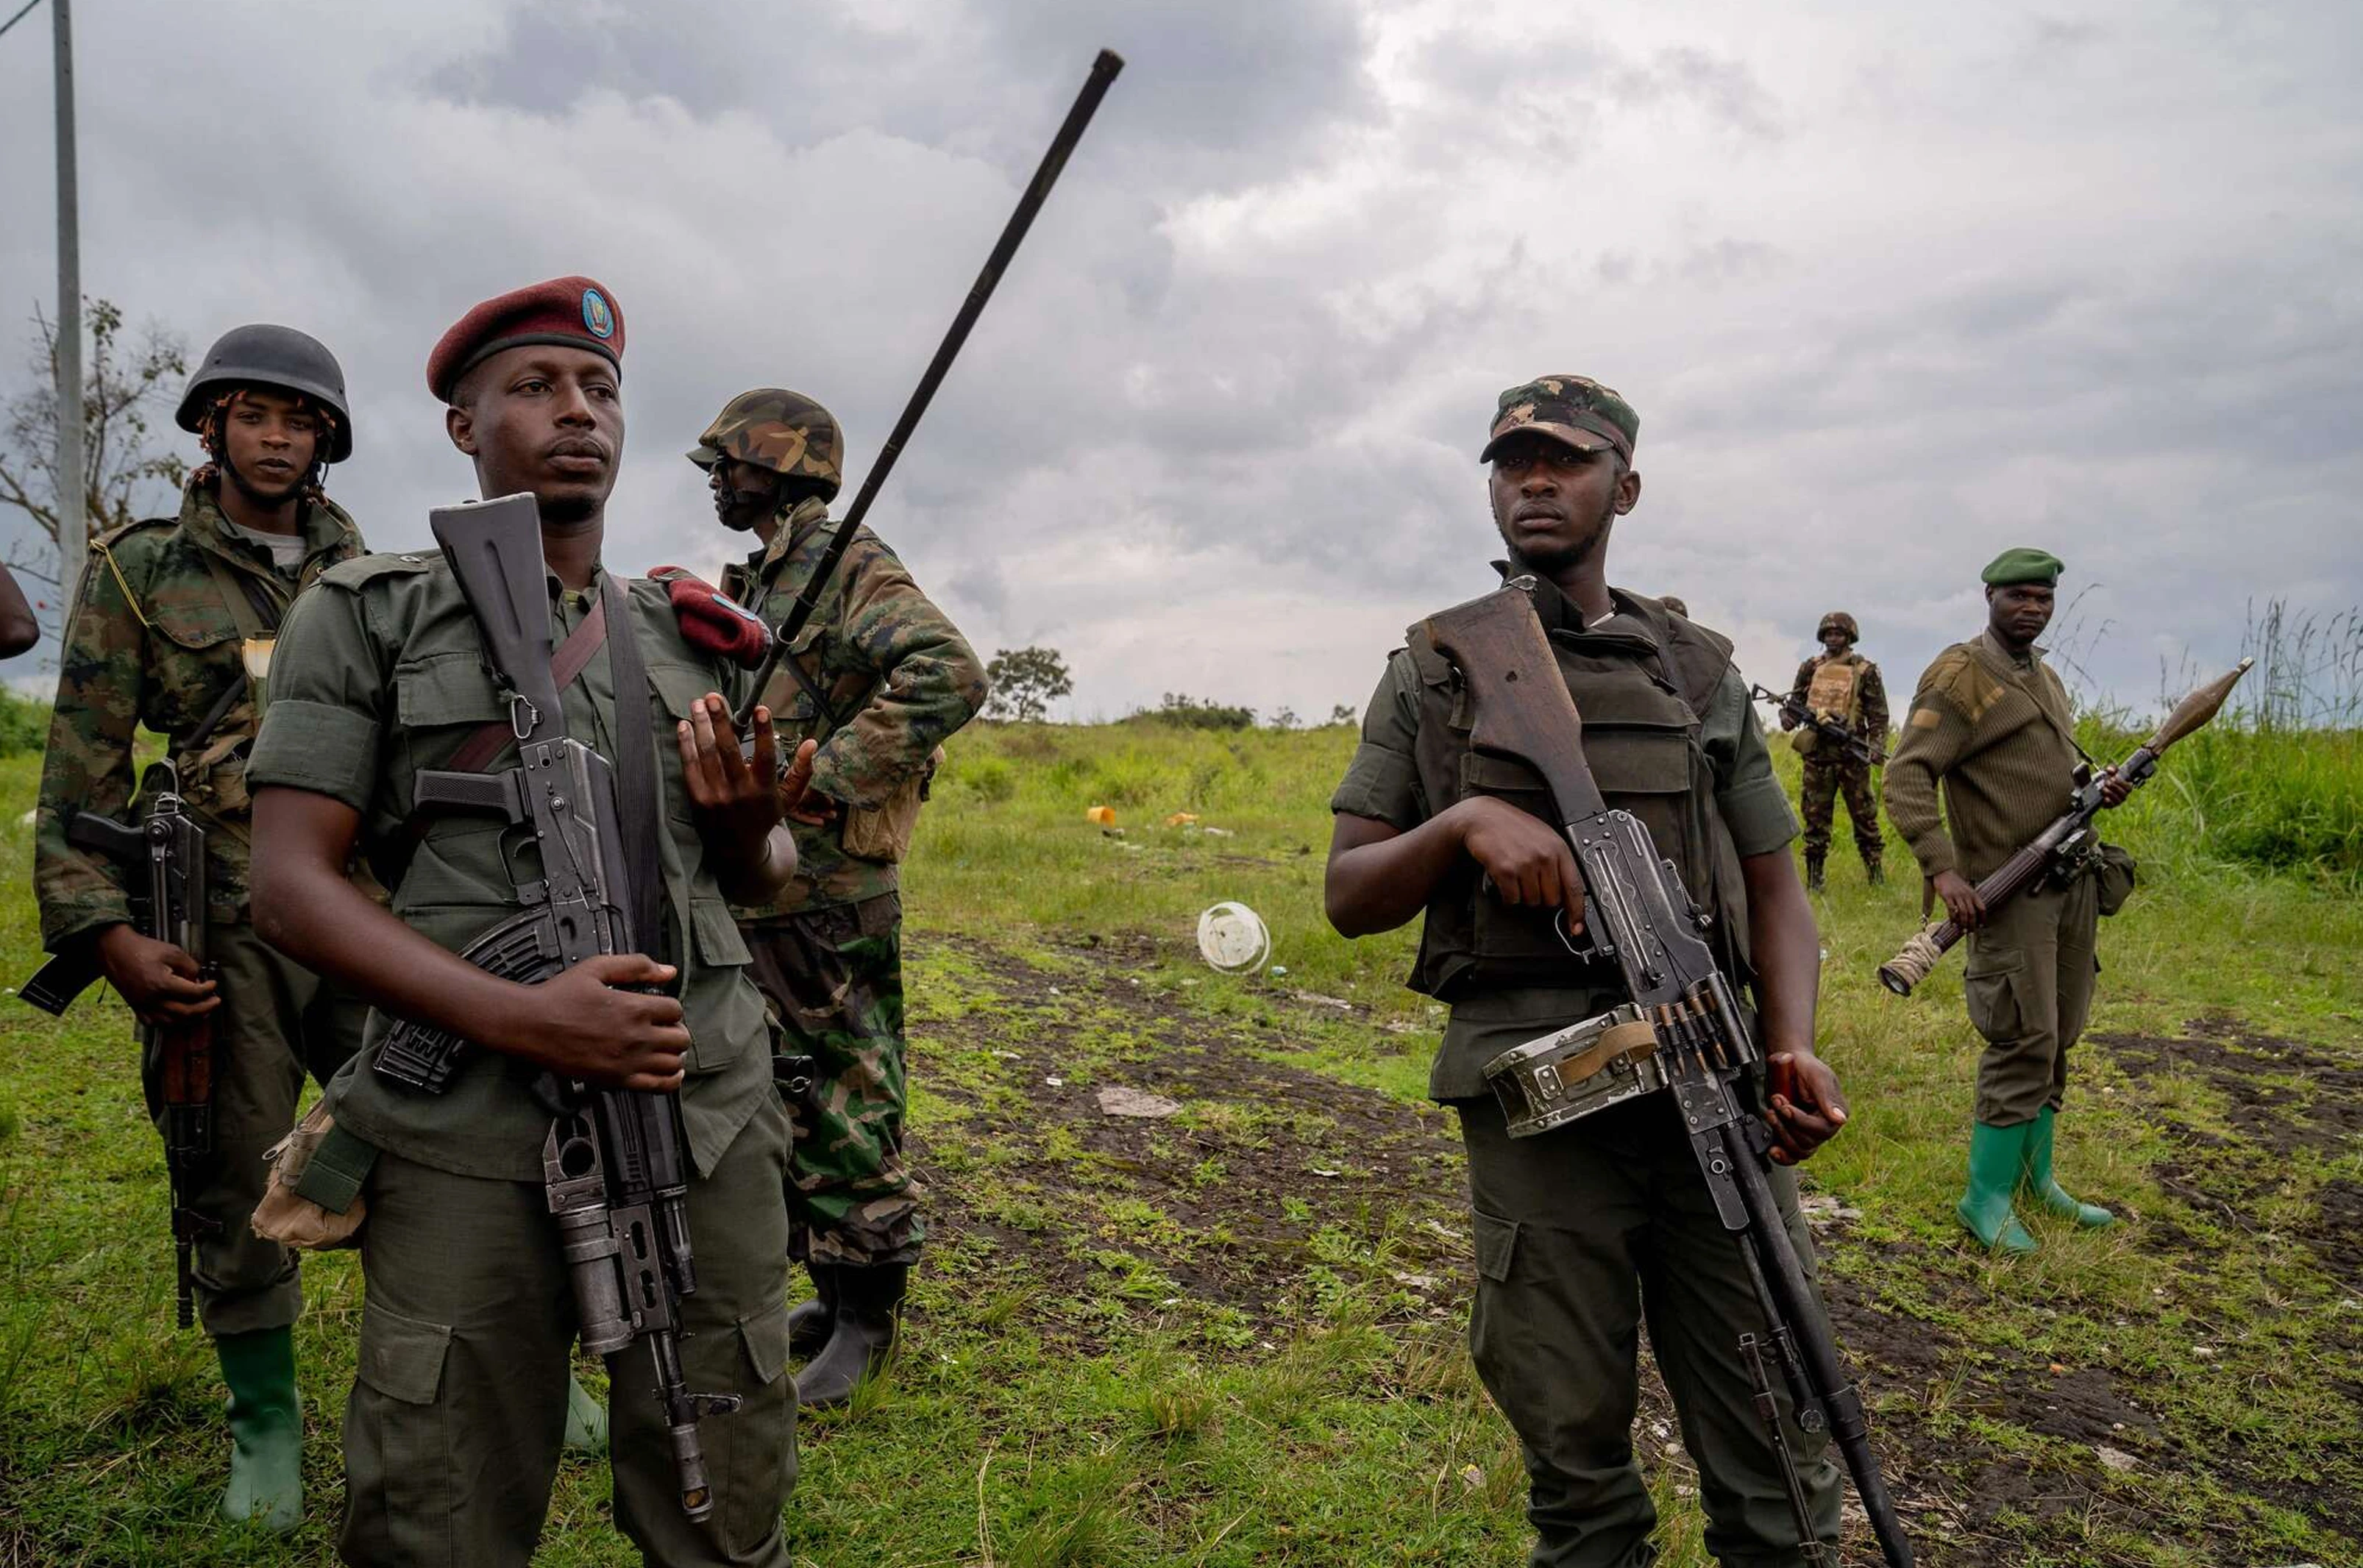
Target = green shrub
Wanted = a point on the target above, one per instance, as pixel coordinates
(23, 724)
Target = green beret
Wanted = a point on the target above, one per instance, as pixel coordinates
(2023, 565)
(1573, 409)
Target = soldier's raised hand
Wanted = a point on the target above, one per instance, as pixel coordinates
(737, 791)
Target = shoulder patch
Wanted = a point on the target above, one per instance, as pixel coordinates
(361, 570)
(1961, 681)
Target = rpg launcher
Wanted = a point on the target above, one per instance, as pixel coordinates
(1681, 1028)
(2061, 851)
(164, 861)
(1830, 730)
(616, 1165)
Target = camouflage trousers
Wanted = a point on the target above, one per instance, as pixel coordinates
(834, 978)
(1823, 782)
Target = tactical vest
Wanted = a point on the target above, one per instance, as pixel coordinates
(1641, 709)
(1835, 690)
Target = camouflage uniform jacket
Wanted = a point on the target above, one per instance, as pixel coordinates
(154, 642)
(899, 680)
(1870, 692)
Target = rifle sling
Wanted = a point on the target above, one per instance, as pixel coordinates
(637, 803)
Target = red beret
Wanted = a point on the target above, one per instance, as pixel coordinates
(576, 311)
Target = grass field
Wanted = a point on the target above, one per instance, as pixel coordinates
(1234, 1336)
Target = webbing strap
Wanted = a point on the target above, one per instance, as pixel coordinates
(566, 662)
(637, 803)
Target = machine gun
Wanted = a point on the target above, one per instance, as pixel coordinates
(1682, 1029)
(1830, 730)
(2062, 849)
(164, 857)
(615, 1166)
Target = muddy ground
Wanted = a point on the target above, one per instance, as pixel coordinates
(1224, 1209)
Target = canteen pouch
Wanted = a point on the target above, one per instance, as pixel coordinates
(884, 832)
(1567, 1076)
(2114, 876)
(1804, 739)
(313, 1198)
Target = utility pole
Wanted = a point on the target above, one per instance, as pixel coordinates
(72, 527)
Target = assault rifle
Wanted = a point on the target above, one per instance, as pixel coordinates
(1830, 730)
(1682, 1029)
(2064, 849)
(615, 1166)
(164, 857)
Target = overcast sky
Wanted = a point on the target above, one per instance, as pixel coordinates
(1891, 287)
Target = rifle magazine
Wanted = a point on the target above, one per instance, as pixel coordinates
(524, 948)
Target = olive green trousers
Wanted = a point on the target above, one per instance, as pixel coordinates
(2028, 982)
(453, 1428)
(1583, 1234)
(276, 1020)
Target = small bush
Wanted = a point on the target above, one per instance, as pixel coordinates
(1184, 712)
(989, 779)
(23, 724)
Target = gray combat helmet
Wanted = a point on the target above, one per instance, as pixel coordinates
(264, 355)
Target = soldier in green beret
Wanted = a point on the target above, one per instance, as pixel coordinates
(1992, 727)
(172, 632)
(880, 677)
(1584, 1231)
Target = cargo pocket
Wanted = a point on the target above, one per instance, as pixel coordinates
(1497, 1245)
(764, 1336)
(753, 1452)
(1990, 986)
(1500, 1331)
(399, 1470)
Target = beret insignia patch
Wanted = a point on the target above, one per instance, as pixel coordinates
(597, 315)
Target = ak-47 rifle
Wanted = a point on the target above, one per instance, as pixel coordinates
(1680, 1029)
(2063, 849)
(615, 1166)
(1087, 102)
(1835, 733)
(164, 857)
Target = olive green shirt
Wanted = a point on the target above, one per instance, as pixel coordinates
(1991, 729)
(380, 673)
(1382, 782)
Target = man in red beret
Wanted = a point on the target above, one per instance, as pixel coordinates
(452, 1430)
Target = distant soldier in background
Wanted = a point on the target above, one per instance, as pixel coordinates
(880, 677)
(172, 632)
(1841, 685)
(1990, 726)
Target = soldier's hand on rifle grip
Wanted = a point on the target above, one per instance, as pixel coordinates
(2114, 788)
(601, 1022)
(1528, 859)
(160, 983)
(1807, 1108)
(1962, 905)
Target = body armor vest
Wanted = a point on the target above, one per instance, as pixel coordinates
(1640, 707)
(1834, 691)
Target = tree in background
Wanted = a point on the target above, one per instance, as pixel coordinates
(1025, 682)
(123, 479)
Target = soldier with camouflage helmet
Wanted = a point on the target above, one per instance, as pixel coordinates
(1841, 686)
(1586, 1229)
(172, 632)
(879, 677)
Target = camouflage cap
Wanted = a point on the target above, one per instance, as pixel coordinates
(773, 428)
(1575, 409)
(2024, 564)
(1843, 622)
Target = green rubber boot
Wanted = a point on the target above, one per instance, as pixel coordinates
(586, 1420)
(2036, 1178)
(1996, 1154)
(266, 1429)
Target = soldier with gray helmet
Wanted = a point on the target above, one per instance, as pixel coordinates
(881, 678)
(172, 632)
(1841, 687)
(1583, 1231)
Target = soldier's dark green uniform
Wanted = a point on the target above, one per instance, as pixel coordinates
(1585, 1233)
(1845, 688)
(452, 1430)
(1994, 731)
(881, 678)
(172, 616)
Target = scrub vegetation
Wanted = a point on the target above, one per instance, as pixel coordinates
(1231, 1333)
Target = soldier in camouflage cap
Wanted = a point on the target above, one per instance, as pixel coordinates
(881, 678)
(1839, 684)
(172, 632)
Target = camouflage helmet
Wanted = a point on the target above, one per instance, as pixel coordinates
(1843, 622)
(785, 432)
(265, 355)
